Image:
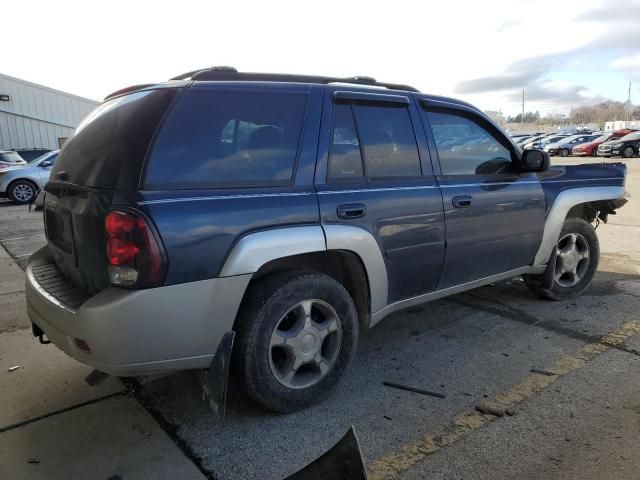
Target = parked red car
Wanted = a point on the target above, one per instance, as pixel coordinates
(591, 148)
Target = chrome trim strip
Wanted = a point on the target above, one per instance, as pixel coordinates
(380, 189)
(255, 249)
(541, 182)
(224, 197)
(558, 213)
(50, 298)
(362, 243)
(428, 297)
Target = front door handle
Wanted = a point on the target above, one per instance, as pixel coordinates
(462, 201)
(351, 210)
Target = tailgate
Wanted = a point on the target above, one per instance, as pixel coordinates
(74, 223)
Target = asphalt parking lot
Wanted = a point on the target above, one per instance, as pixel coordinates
(578, 417)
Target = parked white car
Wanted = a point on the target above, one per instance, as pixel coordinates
(22, 182)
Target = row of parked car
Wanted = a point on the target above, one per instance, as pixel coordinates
(24, 172)
(624, 143)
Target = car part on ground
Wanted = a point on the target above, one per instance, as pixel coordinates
(342, 462)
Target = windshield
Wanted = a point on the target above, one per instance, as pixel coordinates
(41, 157)
(10, 157)
(603, 138)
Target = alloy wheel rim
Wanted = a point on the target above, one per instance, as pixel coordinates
(23, 192)
(305, 344)
(572, 260)
(628, 152)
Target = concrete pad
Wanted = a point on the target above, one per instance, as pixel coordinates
(114, 438)
(23, 247)
(11, 275)
(13, 313)
(585, 426)
(48, 380)
(462, 353)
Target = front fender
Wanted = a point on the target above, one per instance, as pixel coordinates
(564, 202)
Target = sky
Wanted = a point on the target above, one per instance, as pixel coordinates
(563, 53)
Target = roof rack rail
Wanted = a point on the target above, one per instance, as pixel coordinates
(230, 74)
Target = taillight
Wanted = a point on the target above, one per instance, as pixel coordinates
(134, 254)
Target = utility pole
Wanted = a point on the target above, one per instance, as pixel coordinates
(571, 114)
(629, 103)
(522, 119)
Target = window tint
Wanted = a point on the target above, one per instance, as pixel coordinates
(464, 147)
(388, 141)
(345, 160)
(218, 139)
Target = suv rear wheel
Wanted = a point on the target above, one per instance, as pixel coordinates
(22, 191)
(296, 334)
(577, 256)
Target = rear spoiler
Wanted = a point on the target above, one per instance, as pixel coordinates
(130, 89)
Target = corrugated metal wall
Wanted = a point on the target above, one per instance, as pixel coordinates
(36, 116)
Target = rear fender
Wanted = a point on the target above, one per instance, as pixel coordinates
(256, 249)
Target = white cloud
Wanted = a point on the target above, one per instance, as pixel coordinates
(93, 48)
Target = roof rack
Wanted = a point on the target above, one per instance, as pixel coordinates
(230, 74)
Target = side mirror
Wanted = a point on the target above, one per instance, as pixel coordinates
(46, 163)
(534, 161)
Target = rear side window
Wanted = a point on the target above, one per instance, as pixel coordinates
(345, 160)
(383, 135)
(109, 145)
(228, 139)
(465, 147)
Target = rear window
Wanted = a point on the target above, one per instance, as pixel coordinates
(10, 157)
(109, 145)
(227, 139)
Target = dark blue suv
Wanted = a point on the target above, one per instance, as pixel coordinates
(265, 219)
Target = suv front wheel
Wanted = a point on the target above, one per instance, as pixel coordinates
(296, 334)
(577, 256)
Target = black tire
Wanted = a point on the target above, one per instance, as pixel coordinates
(628, 152)
(582, 228)
(265, 304)
(565, 152)
(18, 191)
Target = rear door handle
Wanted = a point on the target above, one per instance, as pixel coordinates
(351, 210)
(462, 201)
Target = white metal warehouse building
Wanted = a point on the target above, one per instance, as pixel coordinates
(34, 116)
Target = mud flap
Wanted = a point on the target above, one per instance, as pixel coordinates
(342, 462)
(214, 379)
(545, 279)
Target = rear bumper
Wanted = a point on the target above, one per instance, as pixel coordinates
(139, 332)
